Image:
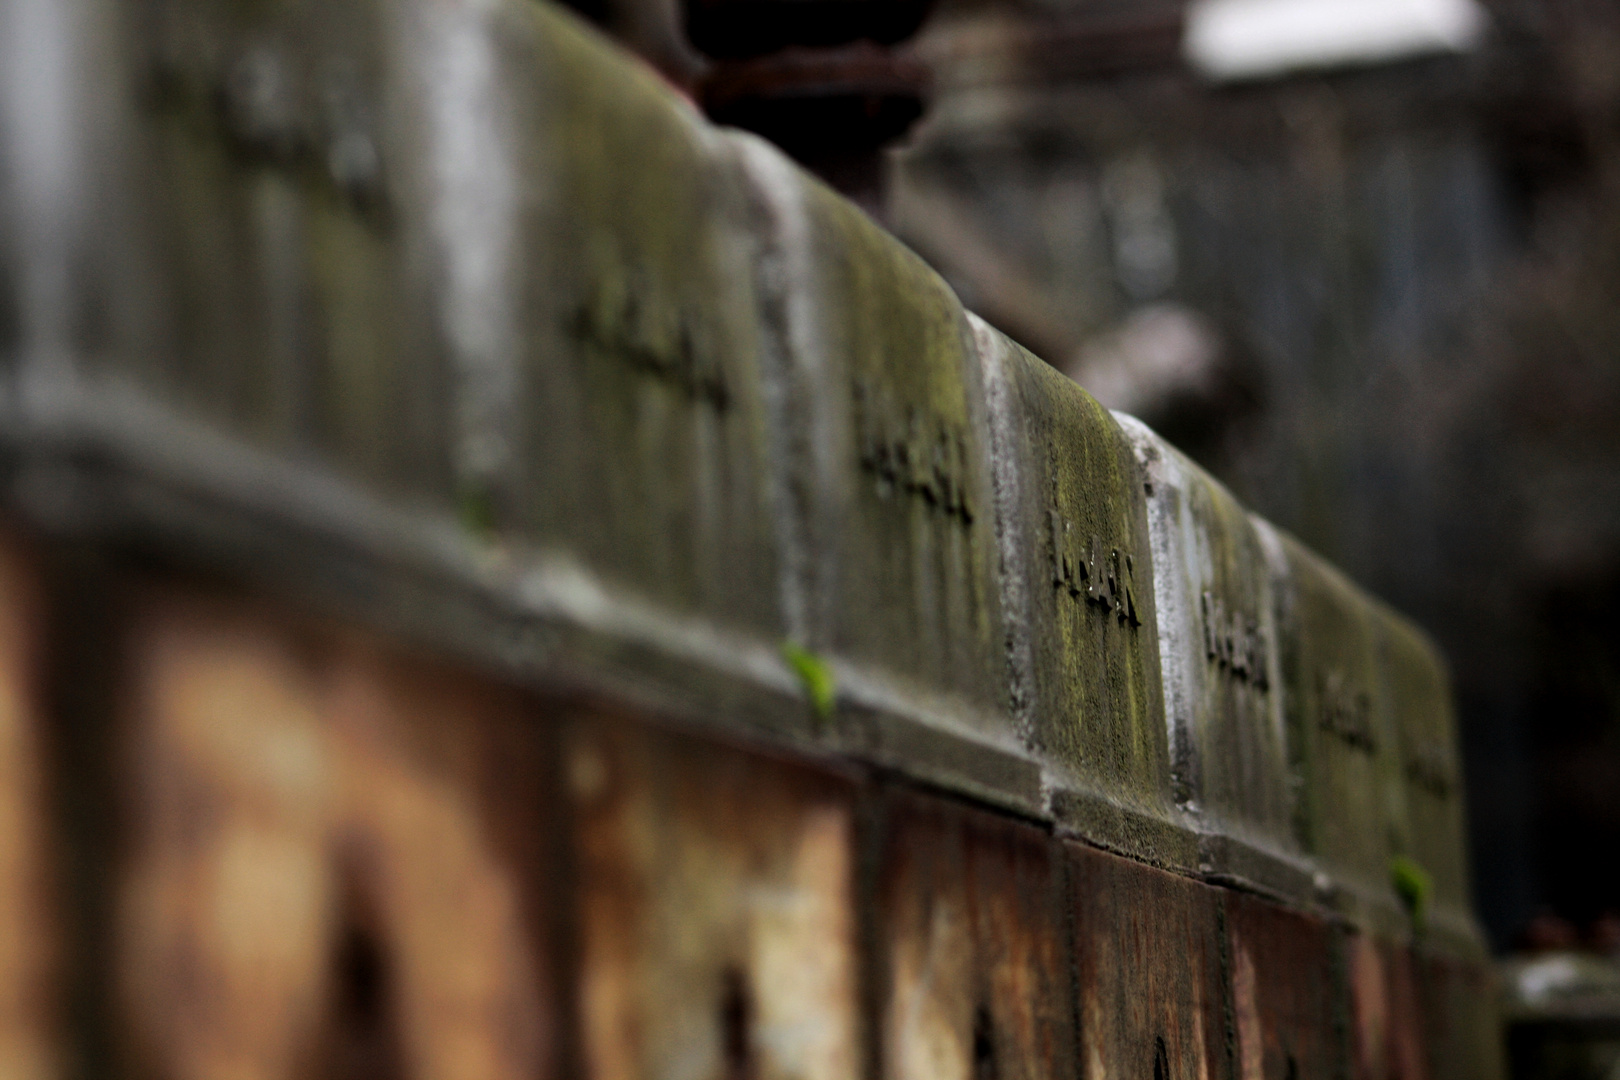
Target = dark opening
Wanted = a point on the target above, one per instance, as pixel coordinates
(984, 1045)
(736, 1021)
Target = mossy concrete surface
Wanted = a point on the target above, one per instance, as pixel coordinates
(1083, 654)
(1218, 652)
(1349, 807)
(1417, 690)
(467, 255)
(882, 462)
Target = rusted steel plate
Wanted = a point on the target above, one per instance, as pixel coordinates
(1285, 993)
(974, 946)
(1462, 1018)
(27, 932)
(716, 924)
(331, 863)
(1386, 1018)
(1147, 949)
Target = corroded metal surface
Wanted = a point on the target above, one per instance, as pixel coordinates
(327, 859)
(1147, 948)
(974, 946)
(453, 322)
(1386, 1017)
(1287, 998)
(29, 1018)
(1083, 653)
(715, 910)
(1222, 680)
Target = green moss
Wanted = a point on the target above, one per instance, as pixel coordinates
(1413, 886)
(1094, 671)
(815, 676)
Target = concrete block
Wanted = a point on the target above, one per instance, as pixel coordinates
(1218, 653)
(974, 946)
(642, 438)
(715, 910)
(31, 947)
(334, 859)
(1148, 958)
(1285, 977)
(468, 253)
(1417, 690)
(879, 429)
(1084, 650)
(1386, 1011)
(1349, 810)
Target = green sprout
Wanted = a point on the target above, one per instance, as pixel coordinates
(814, 675)
(1413, 885)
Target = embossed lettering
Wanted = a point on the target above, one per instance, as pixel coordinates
(1345, 712)
(1430, 769)
(1234, 643)
(911, 453)
(657, 343)
(1104, 577)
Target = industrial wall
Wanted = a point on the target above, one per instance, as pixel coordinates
(503, 578)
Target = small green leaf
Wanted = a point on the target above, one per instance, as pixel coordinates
(1413, 885)
(814, 675)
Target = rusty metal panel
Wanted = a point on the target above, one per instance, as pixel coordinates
(28, 931)
(1283, 976)
(716, 923)
(974, 946)
(1148, 952)
(1386, 1018)
(1462, 1017)
(331, 861)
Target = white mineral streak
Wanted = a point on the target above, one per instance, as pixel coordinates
(787, 279)
(472, 191)
(42, 161)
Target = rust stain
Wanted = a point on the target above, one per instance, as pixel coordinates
(1251, 1056)
(715, 908)
(27, 930)
(1386, 1013)
(307, 890)
(1283, 996)
(1150, 983)
(971, 909)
